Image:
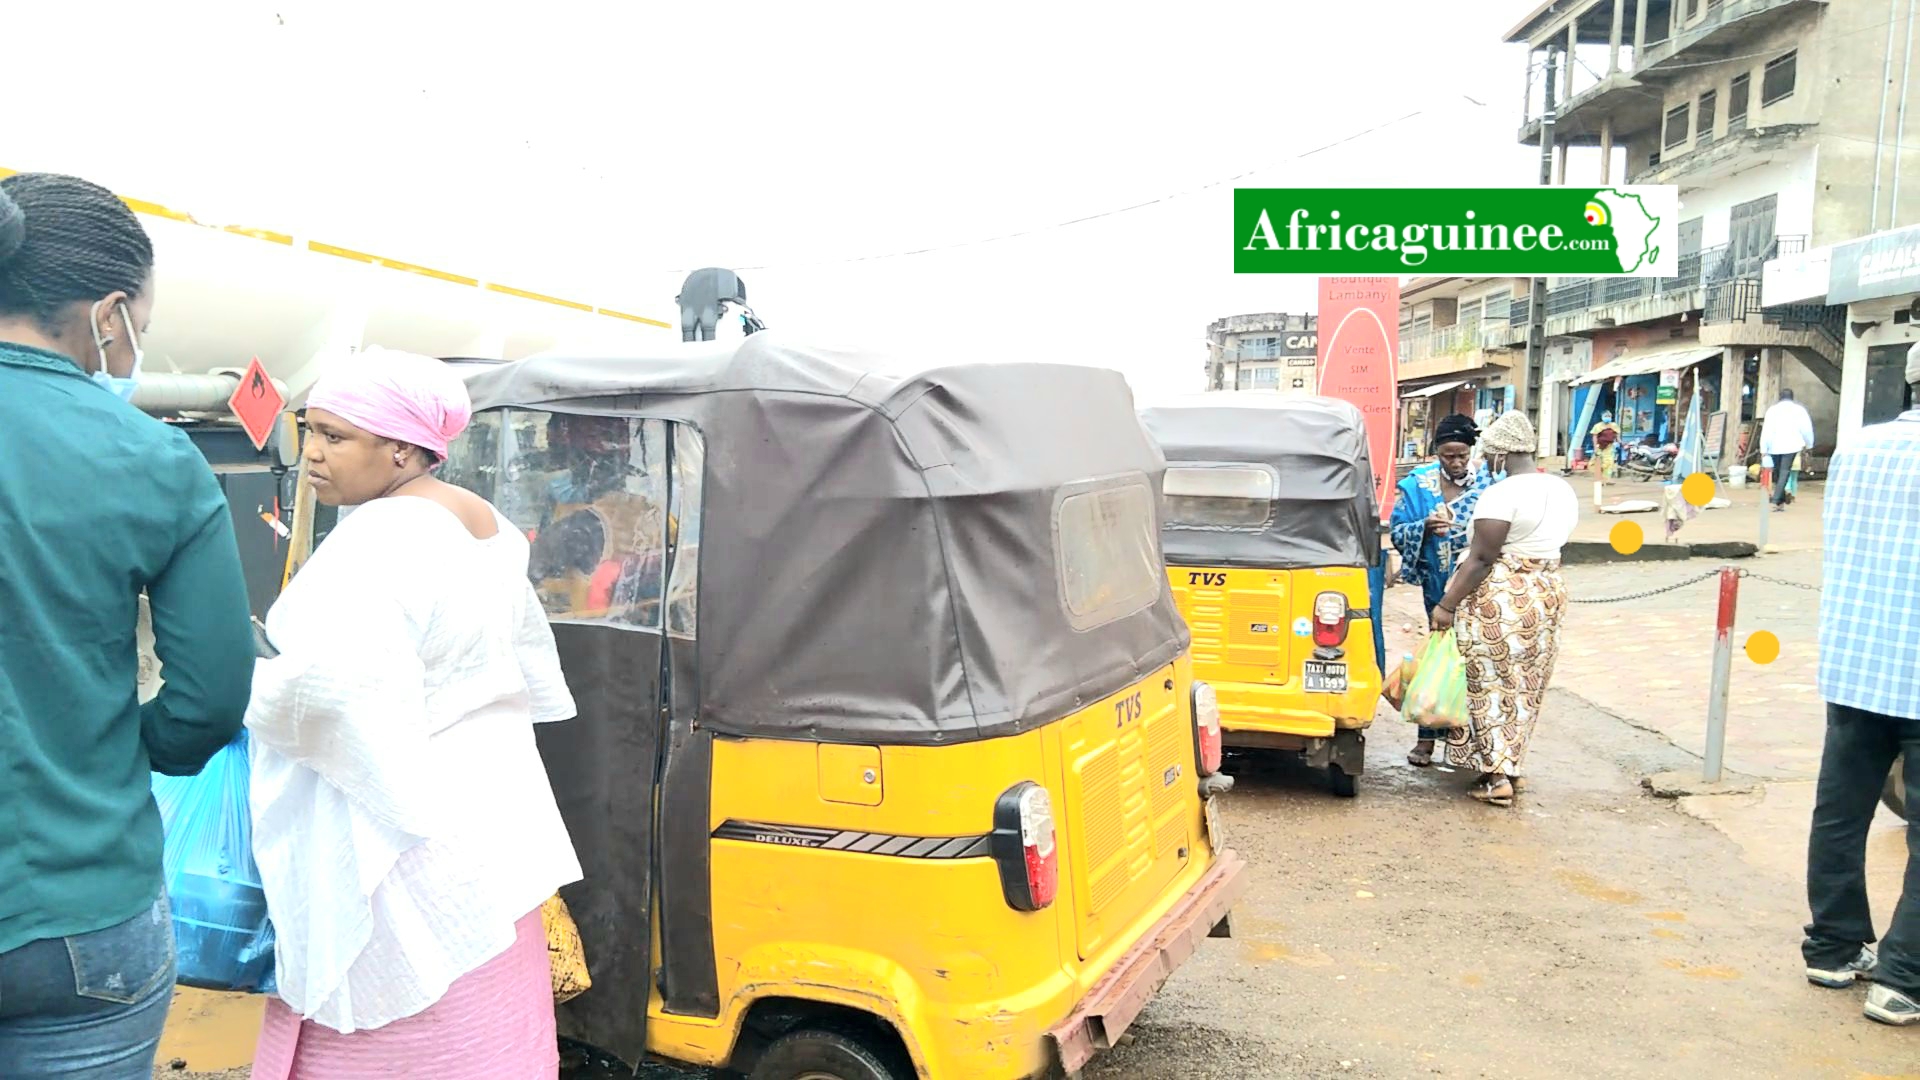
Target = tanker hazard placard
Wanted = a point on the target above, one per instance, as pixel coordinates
(1359, 363)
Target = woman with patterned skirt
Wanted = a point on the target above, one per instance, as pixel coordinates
(1505, 604)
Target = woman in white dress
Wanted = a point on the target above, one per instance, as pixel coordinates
(403, 822)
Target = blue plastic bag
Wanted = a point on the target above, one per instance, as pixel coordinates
(220, 925)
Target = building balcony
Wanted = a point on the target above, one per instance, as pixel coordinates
(1720, 34)
(1449, 350)
(1583, 305)
(1579, 121)
(1703, 162)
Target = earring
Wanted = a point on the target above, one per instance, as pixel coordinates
(399, 461)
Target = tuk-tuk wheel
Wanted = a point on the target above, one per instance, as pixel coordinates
(812, 1054)
(1345, 784)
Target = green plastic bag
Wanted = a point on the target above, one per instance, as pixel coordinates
(1437, 694)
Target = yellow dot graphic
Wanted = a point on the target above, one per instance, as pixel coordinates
(1763, 647)
(1697, 489)
(1627, 536)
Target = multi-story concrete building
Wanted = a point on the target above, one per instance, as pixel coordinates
(1781, 123)
(1267, 351)
(1463, 349)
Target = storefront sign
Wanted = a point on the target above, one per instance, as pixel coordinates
(1359, 363)
(1885, 264)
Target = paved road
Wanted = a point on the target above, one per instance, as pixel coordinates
(1593, 931)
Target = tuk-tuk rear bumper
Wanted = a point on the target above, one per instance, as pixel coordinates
(1100, 1018)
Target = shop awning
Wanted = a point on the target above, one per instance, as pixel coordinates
(1438, 388)
(1646, 362)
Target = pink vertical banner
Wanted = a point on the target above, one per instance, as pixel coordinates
(1359, 324)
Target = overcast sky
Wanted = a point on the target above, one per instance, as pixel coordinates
(599, 150)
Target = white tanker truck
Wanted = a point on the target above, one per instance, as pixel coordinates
(226, 296)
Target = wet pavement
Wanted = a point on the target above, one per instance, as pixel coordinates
(1591, 931)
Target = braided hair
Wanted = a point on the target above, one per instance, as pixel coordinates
(65, 240)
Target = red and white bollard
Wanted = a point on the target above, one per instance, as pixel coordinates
(1722, 673)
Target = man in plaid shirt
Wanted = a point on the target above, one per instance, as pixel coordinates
(1870, 676)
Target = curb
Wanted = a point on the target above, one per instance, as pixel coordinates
(1591, 552)
(1674, 785)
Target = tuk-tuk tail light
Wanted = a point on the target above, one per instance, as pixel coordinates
(1329, 618)
(1025, 848)
(1208, 738)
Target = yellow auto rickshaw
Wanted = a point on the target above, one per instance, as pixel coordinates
(1270, 526)
(909, 774)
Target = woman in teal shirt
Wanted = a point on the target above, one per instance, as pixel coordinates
(98, 503)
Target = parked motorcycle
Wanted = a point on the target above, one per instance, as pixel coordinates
(1650, 461)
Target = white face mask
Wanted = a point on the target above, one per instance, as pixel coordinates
(119, 387)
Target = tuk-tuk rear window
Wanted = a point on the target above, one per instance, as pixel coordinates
(1107, 547)
(1219, 497)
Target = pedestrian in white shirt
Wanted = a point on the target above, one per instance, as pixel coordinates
(1785, 433)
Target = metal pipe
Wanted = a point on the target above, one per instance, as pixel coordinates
(1722, 676)
(170, 394)
(1900, 124)
(1880, 129)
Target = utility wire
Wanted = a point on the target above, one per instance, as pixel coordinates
(1163, 199)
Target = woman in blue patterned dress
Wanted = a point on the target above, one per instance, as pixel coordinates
(1429, 526)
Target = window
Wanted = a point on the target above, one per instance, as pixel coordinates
(1704, 115)
(683, 586)
(1776, 83)
(590, 493)
(1258, 377)
(1259, 348)
(1676, 126)
(1738, 94)
(1107, 548)
(1238, 497)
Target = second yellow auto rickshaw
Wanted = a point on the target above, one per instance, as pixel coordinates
(889, 761)
(1270, 527)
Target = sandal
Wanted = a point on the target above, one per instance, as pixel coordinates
(1494, 791)
(1519, 784)
(1419, 758)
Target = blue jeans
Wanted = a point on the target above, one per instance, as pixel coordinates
(91, 1006)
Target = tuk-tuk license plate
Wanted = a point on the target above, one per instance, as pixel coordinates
(1326, 677)
(1216, 837)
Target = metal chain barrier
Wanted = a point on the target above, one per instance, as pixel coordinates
(1678, 585)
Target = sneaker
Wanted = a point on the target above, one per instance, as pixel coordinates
(1847, 974)
(1890, 1006)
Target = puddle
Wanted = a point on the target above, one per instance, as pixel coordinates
(1591, 887)
(1723, 974)
(211, 1032)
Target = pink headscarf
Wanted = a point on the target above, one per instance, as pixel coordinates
(396, 395)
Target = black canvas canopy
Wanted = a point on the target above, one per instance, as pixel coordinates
(1313, 450)
(879, 557)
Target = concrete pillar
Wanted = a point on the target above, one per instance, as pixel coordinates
(1732, 370)
(1853, 379)
(1606, 144)
(1566, 73)
(1639, 30)
(1560, 163)
(1613, 41)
